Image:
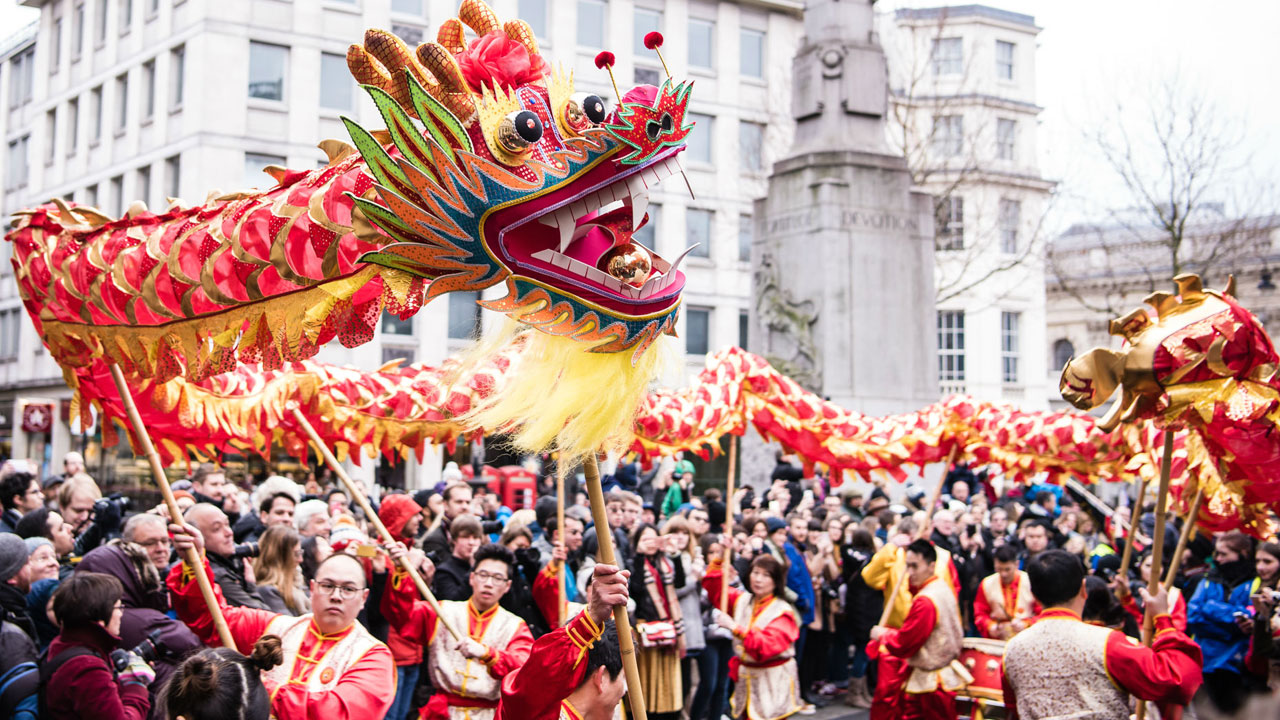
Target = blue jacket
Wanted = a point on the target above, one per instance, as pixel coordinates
(1211, 622)
(800, 582)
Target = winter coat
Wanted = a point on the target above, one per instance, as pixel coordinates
(1211, 621)
(85, 686)
(690, 595)
(800, 582)
(228, 573)
(146, 604)
(395, 512)
(862, 603)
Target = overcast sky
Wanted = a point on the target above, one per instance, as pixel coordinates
(1095, 52)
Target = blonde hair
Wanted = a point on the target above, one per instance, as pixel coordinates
(277, 564)
(80, 482)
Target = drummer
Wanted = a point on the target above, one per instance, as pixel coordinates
(1004, 605)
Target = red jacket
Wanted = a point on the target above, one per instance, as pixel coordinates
(85, 686)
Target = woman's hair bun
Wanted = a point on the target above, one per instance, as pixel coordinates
(198, 677)
(268, 652)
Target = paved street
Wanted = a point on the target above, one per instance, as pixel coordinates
(839, 711)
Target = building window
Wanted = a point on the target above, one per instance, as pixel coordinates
(95, 102)
(534, 12)
(91, 196)
(22, 70)
(697, 226)
(751, 145)
(10, 327)
(697, 330)
(101, 23)
(645, 22)
(337, 90)
(153, 8)
(1009, 322)
(464, 315)
(126, 15)
(744, 325)
(702, 51)
(404, 354)
(148, 90)
(393, 325)
(648, 76)
(948, 135)
(266, 70)
(746, 234)
(173, 176)
(1004, 60)
(951, 346)
(77, 32)
(408, 7)
(1006, 139)
(647, 235)
(948, 56)
(143, 189)
(699, 139)
(50, 136)
(1010, 218)
(122, 102)
(117, 196)
(253, 166)
(950, 223)
(751, 53)
(55, 53)
(177, 76)
(73, 125)
(1063, 351)
(591, 15)
(17, 163)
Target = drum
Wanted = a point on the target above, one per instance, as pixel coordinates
(984, 659)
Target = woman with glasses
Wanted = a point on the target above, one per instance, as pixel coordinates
(333, 667)
(467, 675)
(79, 668)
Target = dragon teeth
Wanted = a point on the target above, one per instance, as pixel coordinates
(639, 195)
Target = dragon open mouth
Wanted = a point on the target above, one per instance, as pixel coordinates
(567, 237)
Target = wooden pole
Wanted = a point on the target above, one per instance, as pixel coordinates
(921, 532)
(357, 493)
(727, 537)
(604, 536)
(1134, 517)
(1188, 528)
(192, 556)
(560, 575)
(1157, 547)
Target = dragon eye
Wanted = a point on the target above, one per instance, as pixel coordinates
(519, 131)
(584, 109)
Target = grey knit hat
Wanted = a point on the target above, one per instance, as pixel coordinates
(13, 555)
(35, 542)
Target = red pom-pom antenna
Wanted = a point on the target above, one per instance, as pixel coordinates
(605, 61)
(653, 41)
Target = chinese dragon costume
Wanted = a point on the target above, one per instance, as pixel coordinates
(491, 170)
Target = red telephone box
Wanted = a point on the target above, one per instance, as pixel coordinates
(519, 487)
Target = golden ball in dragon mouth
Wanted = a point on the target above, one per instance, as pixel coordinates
(629, 263)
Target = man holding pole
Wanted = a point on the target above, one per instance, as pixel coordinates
(333, 668)
(1063, 667)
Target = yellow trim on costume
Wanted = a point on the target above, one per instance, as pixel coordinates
(583, 638)
(566, 706)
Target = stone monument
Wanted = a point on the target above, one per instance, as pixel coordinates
(843, 254)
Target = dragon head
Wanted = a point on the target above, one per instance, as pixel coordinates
(493, 169)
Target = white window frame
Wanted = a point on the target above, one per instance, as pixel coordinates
(949, 229)
(946, 56)
(1010, 219)
(947, 140)
(1005, 65)
(951, 366)
(1006, 139)
(1010, 347)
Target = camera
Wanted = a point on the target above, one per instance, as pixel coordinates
(246, 550)
(151, 649)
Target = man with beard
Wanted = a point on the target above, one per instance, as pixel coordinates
(467, 674)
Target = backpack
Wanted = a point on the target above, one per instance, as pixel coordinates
(19, 692)
(46, 672)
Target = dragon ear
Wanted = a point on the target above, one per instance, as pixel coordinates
(479, 17)
(452, 36)
(454, 92)
(520, 31)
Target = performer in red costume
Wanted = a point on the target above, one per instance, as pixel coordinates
(1063, 667)
(1177, 603)
(467, 675)
(765, 628)
(1004, 605)
(333, 668)
(546, 590)
(928, 642)
(574, 672)
(882, 573)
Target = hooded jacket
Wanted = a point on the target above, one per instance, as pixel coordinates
(146, 602)
(395, 512)
(1211, 615)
